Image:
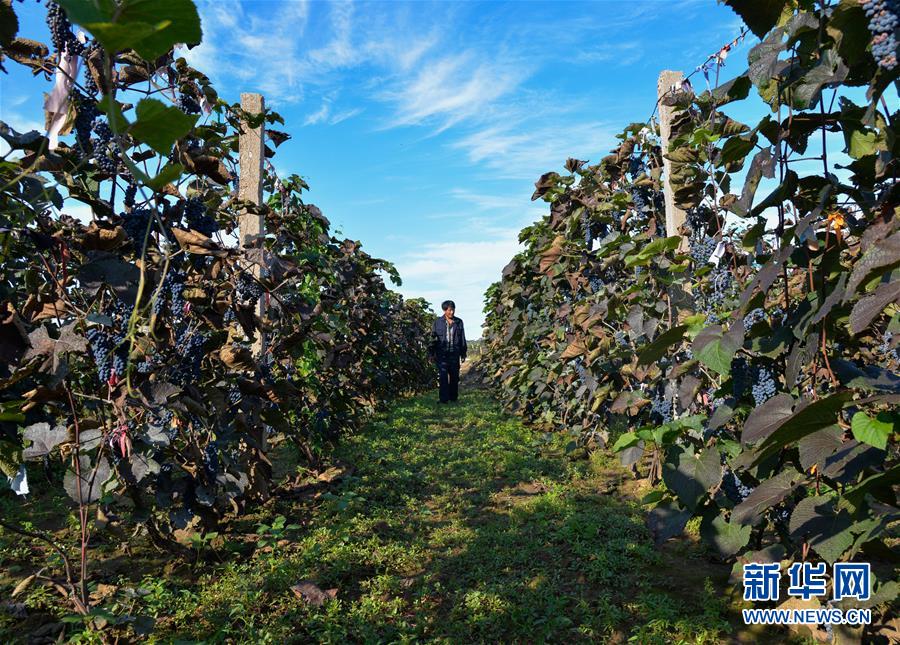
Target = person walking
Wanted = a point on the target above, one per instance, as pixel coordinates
(448, 348)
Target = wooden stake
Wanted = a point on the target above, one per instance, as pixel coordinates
(252, 225)
(674, 216)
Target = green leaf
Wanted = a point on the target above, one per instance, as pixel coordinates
(170, 173)
(691, 475)
(86, 486)
(874, 432)
(159, 125)
(652, 497)
(116, 37)
(655, 350)
(82, 12)
(849, 28)
(715, 349)
(627, 440)
(862, 143)
(657, 247)
(736, 149)
(767, 418)
(111, 108)
(150, 27)
(728, 538)
(753, 234)
(760, 15)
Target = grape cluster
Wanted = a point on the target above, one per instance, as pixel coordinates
(722, 281)
(130, 194)
(702, 249)
(108, 354)
(883, 23)
(171, 294)
(119, 311)
(586, 226)
(639, 196)
(188, 104)
(754, 316)
(620, 338)
(90, 85)
(189, 348)
(248, 289)
(103, 145)
(733, 487)
(197, 217)
(636, 166)
(234, 395)
(211, 460)
(596, 284)
(149, 363)
(763, 385)
(86, 112)
(662, 408)
(135, 224)
(61, 30)
(698, 217)
(162, 418)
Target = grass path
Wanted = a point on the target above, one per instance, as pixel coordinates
(456, 524)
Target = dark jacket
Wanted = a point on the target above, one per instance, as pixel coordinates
(440, 348)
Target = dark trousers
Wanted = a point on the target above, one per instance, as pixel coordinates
(448, 377)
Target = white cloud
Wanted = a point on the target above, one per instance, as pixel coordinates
(325, 114)
(486, 201)
(260, 49)
(449, 90)
(459, 271)
(320, 115)
(343, 116)
(514, 151)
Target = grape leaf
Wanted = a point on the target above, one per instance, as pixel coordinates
(160, 126)
(727, 537)
(715, 349)
(874, 432)
(150, 27)
(655, 350)
(87, 486)
(816, 520)
(867, 308)
(43, 439)
(760, 15)
(767, 418)
(815, 416)
(9, 23)
(666, 520)
(767, 494)
(691, 475)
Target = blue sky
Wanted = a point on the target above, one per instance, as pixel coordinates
(421, 127)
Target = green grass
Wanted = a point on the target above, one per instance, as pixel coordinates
(457, 524)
